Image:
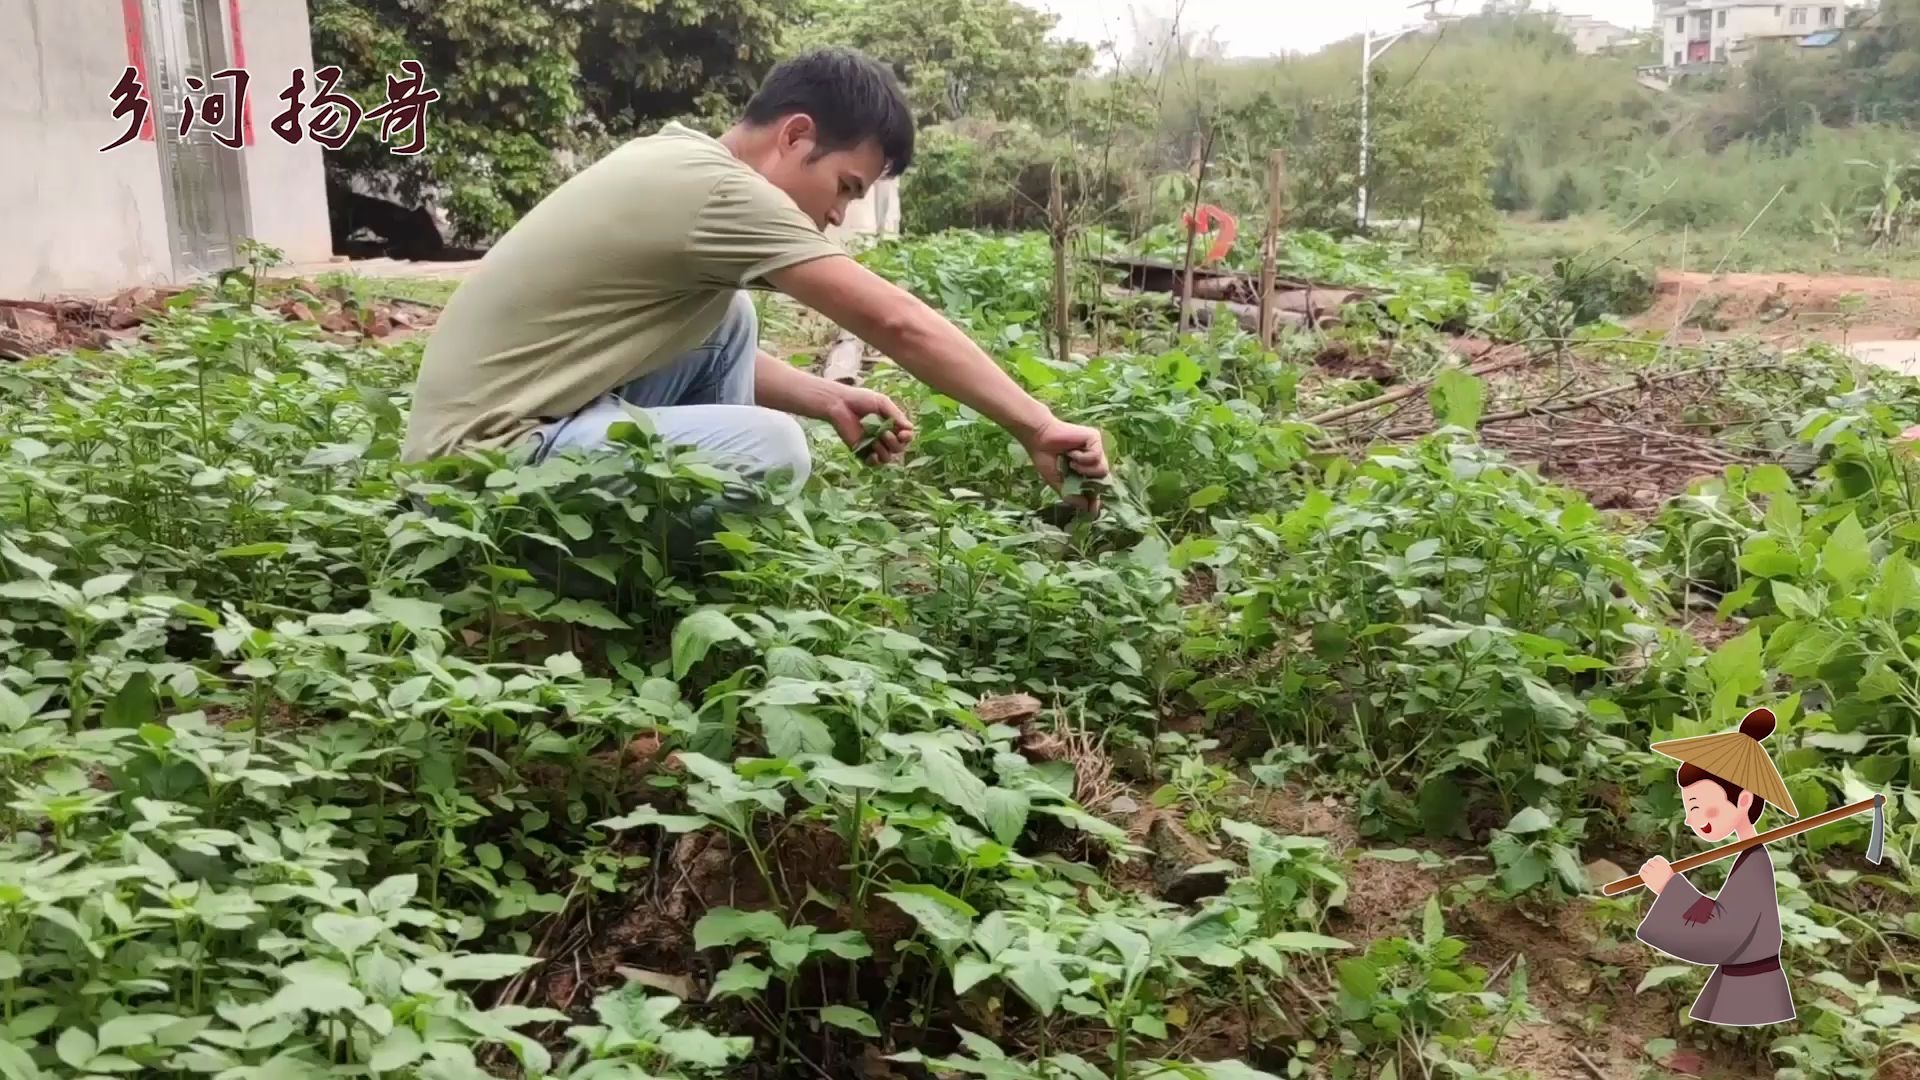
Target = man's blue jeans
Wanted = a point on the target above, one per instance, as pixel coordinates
(703, 400)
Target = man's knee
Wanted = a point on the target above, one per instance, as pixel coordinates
(776, 442)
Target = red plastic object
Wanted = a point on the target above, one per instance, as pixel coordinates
(1212, 217)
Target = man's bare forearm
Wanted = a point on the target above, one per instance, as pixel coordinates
(939, 354)
(929, 347)
(779, 385)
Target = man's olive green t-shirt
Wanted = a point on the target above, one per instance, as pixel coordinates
(620, 270)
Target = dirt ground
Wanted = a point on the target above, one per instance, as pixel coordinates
(1783, 309)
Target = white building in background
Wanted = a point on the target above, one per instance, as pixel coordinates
(1591, 36)
(158, 207)
(1697, 34)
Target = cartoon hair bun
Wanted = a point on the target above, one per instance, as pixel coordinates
(1758, 724)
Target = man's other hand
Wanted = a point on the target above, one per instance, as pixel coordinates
(845, 410)
(1085, 453)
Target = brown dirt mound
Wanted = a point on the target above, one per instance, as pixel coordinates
(38, 327)
(1783, 308)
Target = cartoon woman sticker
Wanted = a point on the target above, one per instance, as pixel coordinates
(1726, 780)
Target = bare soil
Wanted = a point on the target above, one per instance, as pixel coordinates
(1782, 309)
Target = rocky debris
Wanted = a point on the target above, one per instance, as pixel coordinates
(1185, 870)
(1603, 872)
(38, 327)
(1015, 709)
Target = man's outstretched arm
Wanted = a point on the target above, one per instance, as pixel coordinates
(779, 385)
(939, 354)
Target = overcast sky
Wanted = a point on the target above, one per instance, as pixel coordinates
(1269, 27)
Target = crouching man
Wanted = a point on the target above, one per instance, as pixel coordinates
(623, 292)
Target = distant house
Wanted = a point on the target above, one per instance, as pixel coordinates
(1698, 35)
(1591, 36)
(160, 206)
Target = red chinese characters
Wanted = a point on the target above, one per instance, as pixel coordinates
(129, 101)
(329, 116)
(219, 111)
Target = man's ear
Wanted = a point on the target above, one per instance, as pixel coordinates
(1745, 802)
(797, 129)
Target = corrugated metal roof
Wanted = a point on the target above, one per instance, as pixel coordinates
(1821, 39)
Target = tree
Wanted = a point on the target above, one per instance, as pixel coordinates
(523, 83)
(958, 59)
(1431, 158)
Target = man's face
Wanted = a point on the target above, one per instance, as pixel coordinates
(822, 184)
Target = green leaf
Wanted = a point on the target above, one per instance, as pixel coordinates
(1358, 978)
(743, 979)
(648, 815)
(941, 922)
(1007, 814)
(1302, 941)
(1662, 975)
(589, 613)
(15, 1064)
(693, 1046)
(1531, 819)
(104, 586)
(971, 971)
(1845, 558)
(1128, 655)
(728, 926)
(1432, 926)
(253, 551)
(1794, 600)
(792, 731)
(842, 1016)
(947, 776)
(1457, 398)
(133, 706)
(482, 967)
(422, 617)
(698, 633)
(1738, 664)
(75, 1047)
(132, 1030)
(1037, 976)
(39, 568)
(401, 1047)
(1439, 636)
(346, 932)
(1899, 589)
(1207, 496)
(393, 892)
(1851, 742)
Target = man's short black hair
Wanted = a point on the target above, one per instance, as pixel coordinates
(851, 97)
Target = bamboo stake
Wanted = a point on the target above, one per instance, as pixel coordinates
(1193, 229)
(1270, 249)
(1057, 222)
(1694, 862)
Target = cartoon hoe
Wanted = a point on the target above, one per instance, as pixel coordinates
(1726, 781)
(1875, 842)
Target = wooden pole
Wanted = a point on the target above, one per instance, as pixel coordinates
(1694, 862)
(1193, 230)
(1062, 303)
(1270, 249)
(844, 359)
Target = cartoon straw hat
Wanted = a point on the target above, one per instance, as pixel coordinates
(1738, 758)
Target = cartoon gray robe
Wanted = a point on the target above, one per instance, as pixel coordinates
(1738, 932)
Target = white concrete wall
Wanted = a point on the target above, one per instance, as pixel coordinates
(71, 218)
(286, 184)
(74, 220)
